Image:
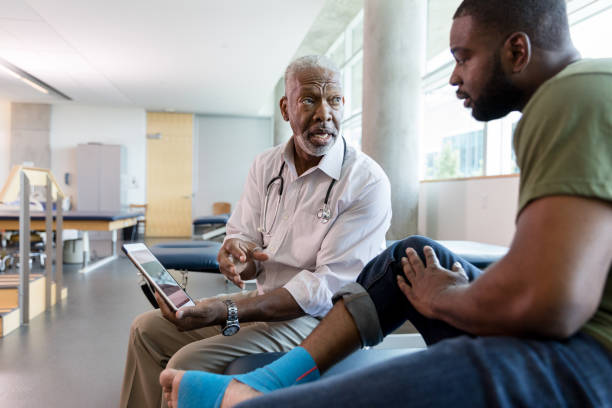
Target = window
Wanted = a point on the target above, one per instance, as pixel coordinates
(590, 26)
(452, 147)
(459, 146)
(453, 143)
(347, 53)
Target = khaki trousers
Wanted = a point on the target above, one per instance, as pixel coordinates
(155, 344)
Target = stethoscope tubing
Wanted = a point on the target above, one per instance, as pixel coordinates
(324, 213)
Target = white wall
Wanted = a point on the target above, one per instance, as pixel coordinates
(78, 124)
(5, 139)
(224, 148)
(481, 210)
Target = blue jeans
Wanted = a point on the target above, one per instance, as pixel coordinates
(457, 369)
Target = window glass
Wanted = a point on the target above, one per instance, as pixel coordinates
(448, 152)
(356, 85)
(452, 147)
(337, 52)
(589, 35)
(352, 132)
(357, 37)
(453, 143)
(346, 54)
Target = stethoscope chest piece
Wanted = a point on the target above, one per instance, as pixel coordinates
(324, 214)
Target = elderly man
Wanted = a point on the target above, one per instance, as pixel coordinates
(536, 328)
(312, 213)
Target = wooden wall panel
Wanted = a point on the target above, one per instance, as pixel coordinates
(169, 174)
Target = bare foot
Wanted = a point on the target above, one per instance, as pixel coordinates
(170, 380)
(237, 392)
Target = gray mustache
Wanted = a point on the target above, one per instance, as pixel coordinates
(332, 132)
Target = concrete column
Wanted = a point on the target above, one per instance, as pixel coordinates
(393, 58)
(282, 130)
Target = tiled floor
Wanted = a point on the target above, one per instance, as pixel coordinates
(73, 355)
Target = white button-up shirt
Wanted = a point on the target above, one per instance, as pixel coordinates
(311, 259)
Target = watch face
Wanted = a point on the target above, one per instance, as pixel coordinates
(231, 330)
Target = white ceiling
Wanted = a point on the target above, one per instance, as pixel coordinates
(208, 56)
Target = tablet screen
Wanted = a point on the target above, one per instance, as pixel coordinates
(161, 276)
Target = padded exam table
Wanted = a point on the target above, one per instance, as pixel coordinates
(211, 226)
(201, 256)
(83, 221)
(196, 256)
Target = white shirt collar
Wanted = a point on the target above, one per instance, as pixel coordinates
(330, 164)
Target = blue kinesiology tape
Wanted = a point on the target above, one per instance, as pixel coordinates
(200, 389)
(295, 367)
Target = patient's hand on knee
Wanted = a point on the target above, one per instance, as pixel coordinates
(236, 392)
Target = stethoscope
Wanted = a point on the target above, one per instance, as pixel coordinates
(324, 213)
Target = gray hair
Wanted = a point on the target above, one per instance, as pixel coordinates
(309, 61)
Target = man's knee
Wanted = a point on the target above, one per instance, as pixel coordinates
(195, 356)
(181, 359)
(416, 242)
(388, 261)
(145, 325)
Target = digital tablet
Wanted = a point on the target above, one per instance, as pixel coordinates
(157, 276)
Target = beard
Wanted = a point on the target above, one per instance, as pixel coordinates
(499, 96)
(305, 143)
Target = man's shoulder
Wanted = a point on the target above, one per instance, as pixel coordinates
(267, 157)
(360, 163)
(586, 67)
(585, 77)
(583, 83)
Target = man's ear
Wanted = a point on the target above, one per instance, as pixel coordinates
(283, 108)
(517, 52)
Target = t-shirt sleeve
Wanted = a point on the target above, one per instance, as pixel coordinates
(564, 140)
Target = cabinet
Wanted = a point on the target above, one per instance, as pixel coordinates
(101, 177)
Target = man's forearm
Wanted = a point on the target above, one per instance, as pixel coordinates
(462, 307)
(276, 305)
(498, 304)
(550, 282)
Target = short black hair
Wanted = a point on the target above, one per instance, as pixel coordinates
(544, 21)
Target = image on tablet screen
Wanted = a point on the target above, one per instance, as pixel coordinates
(161, 276)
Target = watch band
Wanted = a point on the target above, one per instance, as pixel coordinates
(232, 326)
(232, 311)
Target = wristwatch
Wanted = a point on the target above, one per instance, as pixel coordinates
(231, 326)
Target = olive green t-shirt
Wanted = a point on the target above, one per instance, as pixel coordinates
(563, 145)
